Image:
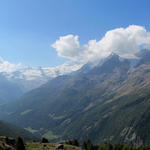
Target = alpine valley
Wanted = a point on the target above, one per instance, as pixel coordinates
(107, 101)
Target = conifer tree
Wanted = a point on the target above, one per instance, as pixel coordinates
(44, 140)
(19, 144)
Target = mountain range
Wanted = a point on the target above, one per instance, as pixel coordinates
(19, 80)
(28, 78)
(108, 101)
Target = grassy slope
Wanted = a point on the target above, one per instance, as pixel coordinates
(10, 130)
(127, 110)
(48, 146)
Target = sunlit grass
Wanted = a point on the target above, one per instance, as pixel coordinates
(47, 146)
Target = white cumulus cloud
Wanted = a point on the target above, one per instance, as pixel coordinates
(68, 46)
(123, 41)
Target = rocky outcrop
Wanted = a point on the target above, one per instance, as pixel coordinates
(7, 143)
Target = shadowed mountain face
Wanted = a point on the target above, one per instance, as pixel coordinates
(8, 91)
(7, 129)
(144, 56)
(109, 101)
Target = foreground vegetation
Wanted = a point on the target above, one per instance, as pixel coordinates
(87, 145)
(48, 146)
(7, 143)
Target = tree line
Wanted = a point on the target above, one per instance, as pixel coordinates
(86, 145)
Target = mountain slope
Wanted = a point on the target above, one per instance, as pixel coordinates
(8, 91)
(7, 129)
(28, 78)
(109, 101)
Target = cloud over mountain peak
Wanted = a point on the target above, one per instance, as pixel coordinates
(123, 41)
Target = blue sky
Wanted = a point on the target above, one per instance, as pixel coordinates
(29, 27)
